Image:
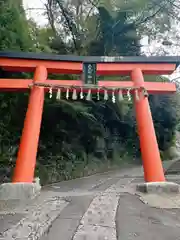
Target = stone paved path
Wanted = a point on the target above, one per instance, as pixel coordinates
(101, 207)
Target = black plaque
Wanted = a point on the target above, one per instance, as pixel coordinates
(89, 73)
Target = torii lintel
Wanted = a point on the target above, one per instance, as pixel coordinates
(27, 62)
(64, 64)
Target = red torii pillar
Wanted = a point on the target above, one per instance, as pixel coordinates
(153, 170)
(26, 160)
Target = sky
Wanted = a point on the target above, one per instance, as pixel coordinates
(31, 7)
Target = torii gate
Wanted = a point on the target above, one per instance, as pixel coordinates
(42, 64)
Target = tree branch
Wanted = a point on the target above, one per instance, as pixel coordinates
(35, 9)
(148, 18)
(93, 4)
(50, 15)
(68, 24)
(136, 24)
(167, 11)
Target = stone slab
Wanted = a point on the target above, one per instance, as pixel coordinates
(162, 201)
(138, 221)
(9, 220)
(101, 211)
(93, 232)
(38, 221)
(62, 229)
(76, 207)
(158, 187)
(68, 221)
(19, 191)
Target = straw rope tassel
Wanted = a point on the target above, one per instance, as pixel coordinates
(81, 94)
(58, 96)
(120, 95)
(98, 95)
(129, 95)
(50, 92)
(137, 94)
(113, 97)
(67, 93)
(88, 97)
(106, 95)
(74, 95)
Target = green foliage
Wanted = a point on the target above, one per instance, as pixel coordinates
(165, 118)
(13, 26)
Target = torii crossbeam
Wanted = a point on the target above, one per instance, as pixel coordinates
(42, 64)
